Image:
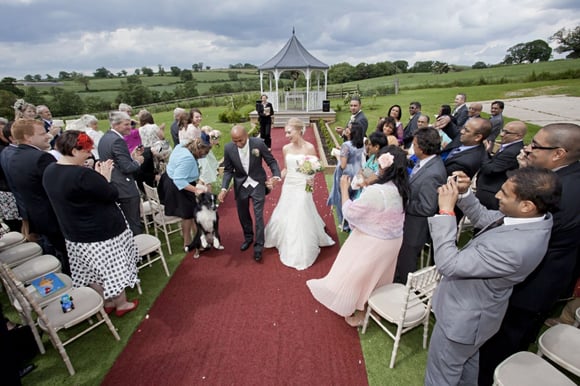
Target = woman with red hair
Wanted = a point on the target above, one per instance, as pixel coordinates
(102, 252)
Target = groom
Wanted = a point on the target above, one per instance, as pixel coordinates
(243, 162)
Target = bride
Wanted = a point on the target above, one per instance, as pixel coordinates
(295, 228)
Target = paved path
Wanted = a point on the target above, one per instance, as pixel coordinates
(541, 110)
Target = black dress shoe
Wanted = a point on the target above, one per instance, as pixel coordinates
(258, 256)
(245, 245)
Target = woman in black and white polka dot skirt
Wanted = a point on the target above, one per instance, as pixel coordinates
(100, 245)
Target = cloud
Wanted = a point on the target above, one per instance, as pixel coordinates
(48, 36)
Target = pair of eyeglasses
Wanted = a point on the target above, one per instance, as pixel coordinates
(507, 132)
(534, 146)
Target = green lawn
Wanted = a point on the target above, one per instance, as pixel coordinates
(96, 352)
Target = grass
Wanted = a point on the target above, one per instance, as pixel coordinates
(95, 353)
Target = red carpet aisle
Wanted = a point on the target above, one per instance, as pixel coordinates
(224, 319)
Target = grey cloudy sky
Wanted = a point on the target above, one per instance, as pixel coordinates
(48, 36)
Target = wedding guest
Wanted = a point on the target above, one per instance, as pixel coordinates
(132, 138)
(101, 249)
(91, 124)
(178, 112)
(295, 228)
(444, 123)
(478, 279)
(266, 118)
(112, 146)
(24, 110)
(209, 164)
(8, 209)
(349, 163)
(178, 185)
(357, 116)
(387, 126)
(396, 112)
(190, 126)
(368, 258)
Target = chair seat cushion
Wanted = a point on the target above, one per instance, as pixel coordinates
(86, 302)
(36, 267)
(389, 300)
(561, 343)
(11, 239)
(147, 243)
(526, 368)
(20, 253)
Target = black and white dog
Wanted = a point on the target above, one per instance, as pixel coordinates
(207, 219)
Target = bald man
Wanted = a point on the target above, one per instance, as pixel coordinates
(243, 162)
(493, 171)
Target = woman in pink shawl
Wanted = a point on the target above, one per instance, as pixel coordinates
(368, 257)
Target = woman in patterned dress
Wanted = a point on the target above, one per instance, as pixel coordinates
(101, 249)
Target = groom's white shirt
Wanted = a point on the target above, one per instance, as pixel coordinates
(244, 153)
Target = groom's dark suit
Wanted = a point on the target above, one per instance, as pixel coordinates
(233, 168)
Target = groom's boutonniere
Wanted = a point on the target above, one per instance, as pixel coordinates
(256, 152)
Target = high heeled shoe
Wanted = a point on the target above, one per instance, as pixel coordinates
(120, 313)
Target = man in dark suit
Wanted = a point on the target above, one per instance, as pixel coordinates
(174, 130)
(243, 162)
(469, 153)
(409, 130)
(266, 118)
(496, 120)
(25, 169)
(460, 112)
(427, 175)
(357, 116)
(493, 171)
(44, 113)
(478, 279)
(557, 147)
(113, 146)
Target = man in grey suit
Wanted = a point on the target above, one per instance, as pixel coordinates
(496, 120)
(428, 174)
(243, 162)
(409, 130)
(460, 113)
(478, 279)
(113, 146)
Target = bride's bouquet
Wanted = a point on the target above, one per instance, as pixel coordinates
(309, 165)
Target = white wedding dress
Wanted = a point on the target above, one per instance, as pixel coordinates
(295, 228)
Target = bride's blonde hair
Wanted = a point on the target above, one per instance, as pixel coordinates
(296, 124)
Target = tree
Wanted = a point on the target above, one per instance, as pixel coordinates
(569, 40)
(65, 102)
(402, 65)
(424, 66)
(147, 71)
(233, 75)
(186, 75)
(195, 67)
(161, 70)
(341, 73)
(133, 92)
(440, 68)
(528, 52)
(479, 65)
(7, 84)
(28, 78)
(38, 77)
(102, 73)
(175, 71)
(63, 75)
(83, 80)
(186, 90)
(538, 50)
(137, 72)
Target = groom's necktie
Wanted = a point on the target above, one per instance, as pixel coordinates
(492, 225)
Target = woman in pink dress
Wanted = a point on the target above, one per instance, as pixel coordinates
(368, 258)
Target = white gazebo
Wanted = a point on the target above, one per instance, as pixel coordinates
(296, 60)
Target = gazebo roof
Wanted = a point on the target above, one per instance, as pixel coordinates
(293, 56)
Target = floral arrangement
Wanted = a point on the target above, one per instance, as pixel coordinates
(256, 152)
(309, 166)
